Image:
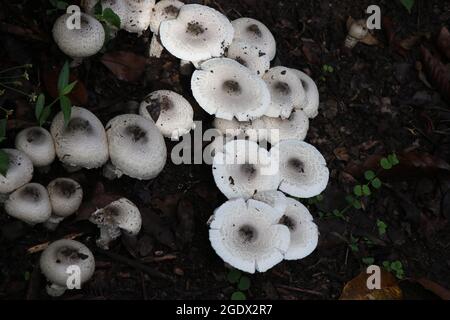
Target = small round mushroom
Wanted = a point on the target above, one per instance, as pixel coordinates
(37, 144)
(117, 217)
(30, 204)
(82, 142)
(138, 15)
(240, 170)
(249, 56)
(311, 106)
(197, 34)
(57, 260)
(294, 127)
(172, 113)
(136, 146)
(20, 171)
(286, 92)
(255, 33)
(303, 230)
(302, 167)
(164, 10)
(357, 30)
(247, 235)
(79, 43)
(227, 89)
(66, 196)
(274, 198)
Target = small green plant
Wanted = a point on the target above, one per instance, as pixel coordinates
(368, 260)
(4, 159)
(382, 227)
(241, 282)
(396, 267)
(353, 244)
(12, 82)
(57, 5)
(408, 4)
(108, 18)
(327, 68)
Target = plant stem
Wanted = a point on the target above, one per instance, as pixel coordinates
(15, 68)
(14, 89)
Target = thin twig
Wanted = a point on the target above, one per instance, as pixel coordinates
(43, 246)
(300, 290)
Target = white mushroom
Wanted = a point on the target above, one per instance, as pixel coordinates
(136, 146)
(286, 92)
(294, 127)
(312, 94)
(82, 142)
(117, 217)
(303, 169)
(227, 89)
(29, 204)
(304, 232)
(254, 129)
(63, 258)
(197, 34)
(246, 235)
(66, 196)
(249, 56)
(357, 30)
(162, 11)
(275, 199)
(172, 114)
(255, 33)
(20, 171)
(37, 144)
(243, 169)
(138, 15)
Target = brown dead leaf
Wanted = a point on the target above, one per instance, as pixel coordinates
(78, 96)
(311, 50)
(370, 40)
(436, 72)
(443, 41)
(341, 153)
(391, 33)
(434, 287)
(357, 289)
(126, 66)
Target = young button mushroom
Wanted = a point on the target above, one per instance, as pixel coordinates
(254, 33)
(304, 232)
(117, 217)
(312, 94)
(82, 142)
(57, 260)
(357, 30)
(227, 89)
(136, 146)
(37, 144)
(239, 170)
(249, 56)
(198, 33)
(247, 235)
(29, 204)
(172, 113)
(20, 171)
(66, 196)
(303, 169)
(294, 127)
(286, 92)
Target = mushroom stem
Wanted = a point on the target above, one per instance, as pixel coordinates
(110, 172)
(4, 197)
(71, 169)
(107, 234)
(55, 290)
(156, 47)
(76, 62)
(52, 223)
(350, 41)
(185, 67)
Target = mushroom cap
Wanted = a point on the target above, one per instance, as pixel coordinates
(60, 255)
(37, 144)
(82, 142)
(79, 43)
(171, 112)
(303, 169)
(30, 203)
(358, 29)
(294, 127)
(138, 15)
(311, 105)
(274, 198)
(255, 33)
(243, 129)
(286, 92)
(241, 170)
(164, 10)
(249, 56)
(65, 195)
(227, 89)
(246, 235)
(304, 232)
(20, 171)
(198, 33)
(136, 146)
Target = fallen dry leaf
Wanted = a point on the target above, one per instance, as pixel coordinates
(370, 40)
(436, 72)
(391, 34)
(126, 66)
(341, 154)
(434, 287)
(78, 96)
(443, 41)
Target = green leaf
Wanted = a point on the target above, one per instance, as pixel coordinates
(387, 265)
(39, 106)
(111, 17)
(234, 276)
(376, 183)
(381, 227)
(66, 107)
(358, 191)
(369, 175)
(68, 89)
(4, 163)
(397, 265)
(393, 159)
(408, 4)
(350, 199)
(366, 190)
(63, 79)
(98, 8)
(238, 295)
(44, 115)
(3, 124)
(357, 204)
(368, 260)
(385, 164)
(244, 284)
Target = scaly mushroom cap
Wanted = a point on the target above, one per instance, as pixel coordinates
(254, 33)
(304, 232)
(138, 15)
(303, 169)
(29, 204)
(311, 106)
(82, 142)
(286, 92)
(254, 129)
(60, 255)
(37, 144)
(172, 113)
(79, 43)
(66, 196)
(20, 171)
(164, 10)
(295, 127)
(136, 146)
(275, 199)
(246, 235)
(249, 56)
(227, 89)
(197, 34)
(243, 169)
